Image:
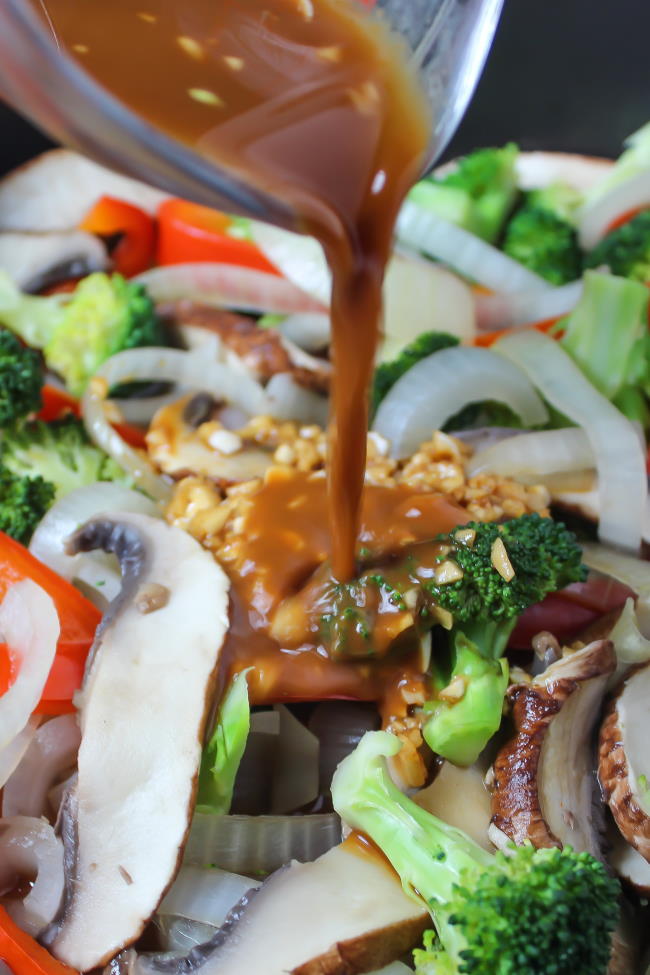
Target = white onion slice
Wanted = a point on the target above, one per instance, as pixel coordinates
(525, 308)
(29, 848)
(254, 844)
(190, 370)
(300, 258)
(205, 894)
(420, 296)
(12, 755)
(30, 626)
(227, 286)
(95, 569)
(597, 215)
(631, 571)
(540, 453)
(438, 387)
(464, 252)
(310, 331)
(52, 752)
(619, 455)
(288, 400)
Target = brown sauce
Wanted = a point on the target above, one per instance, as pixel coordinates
(283, 540)
(308, 99)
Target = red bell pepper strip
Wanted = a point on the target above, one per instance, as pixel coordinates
(134, 251)
(56, 403)
(23, 955)
(189, 233)
(77, 616)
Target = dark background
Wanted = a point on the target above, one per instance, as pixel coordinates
(572, 75)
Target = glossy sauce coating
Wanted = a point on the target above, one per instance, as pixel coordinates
(309, 99)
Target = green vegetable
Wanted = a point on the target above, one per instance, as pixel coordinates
(484, 606)
(23, 502)
(607, 336)
(544, 242)
(387, 373)
(104, 315)
(538, 912)
(626, 250)
(634, 160)
(21, 379)
(224, 751)
(477, 195)
(59, 452)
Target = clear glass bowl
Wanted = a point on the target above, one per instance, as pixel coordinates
(450, 40)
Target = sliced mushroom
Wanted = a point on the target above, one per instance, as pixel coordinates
(264, 351)
(35, 260)
(628, 863)
(57, 189)
(624, 763)
(143, 705)
(543, 783)
(344, 913)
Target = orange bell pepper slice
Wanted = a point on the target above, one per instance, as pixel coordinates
(23, 955)
(189, 233)
(78, 618)
(135, 249)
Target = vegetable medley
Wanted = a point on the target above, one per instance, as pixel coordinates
(447, 750)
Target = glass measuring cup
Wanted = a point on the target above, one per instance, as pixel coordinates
(450, 40)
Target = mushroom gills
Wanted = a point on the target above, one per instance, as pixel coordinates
(34, 261)
(345, 913)
(543, 783)
(148, 686)
(624, 763)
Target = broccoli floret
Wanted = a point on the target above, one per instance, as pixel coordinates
(626, 250)
(475, 582)
(59, 452)
(607, 336)
(387, 373)
(477, 195)
(23, 502)
(104, 315)
(21, 379)
(543, 242)
(542, 912)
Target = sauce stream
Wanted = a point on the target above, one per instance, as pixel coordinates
(310, 100)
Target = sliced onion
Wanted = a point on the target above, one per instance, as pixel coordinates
(620, 458)
(288, 400)
(544, 452)
(438, 387)
(29, 848)
(396, 968)
(52, 752)
(205, 895)
(420, 296)
(525, 308)
(30, 626)
(310, 331)
(631, 646)
(631, 571)
(259, 844)
(298, 257)
(95, 569)
(464, 252)
(12, 755)
(190, 370)
(295, 779)
(179, 935)
(227, 286)
(598, 214)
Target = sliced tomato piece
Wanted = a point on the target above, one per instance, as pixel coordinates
(189, 233)
(134, 251)
(56, 403)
